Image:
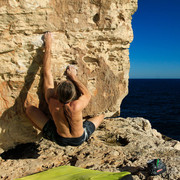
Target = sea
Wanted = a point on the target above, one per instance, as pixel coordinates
(157, 100)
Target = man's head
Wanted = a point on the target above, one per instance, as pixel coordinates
(66, 92)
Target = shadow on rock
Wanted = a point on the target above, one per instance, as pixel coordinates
(22, 151)
(14, 124)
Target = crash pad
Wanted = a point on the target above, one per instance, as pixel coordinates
(76, 173)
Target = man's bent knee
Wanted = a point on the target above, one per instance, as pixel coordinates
(30, 109)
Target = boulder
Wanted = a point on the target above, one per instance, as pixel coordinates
(93, 35)
(117, 145)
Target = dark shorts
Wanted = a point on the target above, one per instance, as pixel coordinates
(49, 132)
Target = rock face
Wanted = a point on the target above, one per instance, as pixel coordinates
(94, 35)
(118, 145)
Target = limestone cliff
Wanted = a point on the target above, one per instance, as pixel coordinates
(94, 35)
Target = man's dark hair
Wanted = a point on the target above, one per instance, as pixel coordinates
(66, 92)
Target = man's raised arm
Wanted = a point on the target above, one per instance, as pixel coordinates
(86, 96)
(48, 78)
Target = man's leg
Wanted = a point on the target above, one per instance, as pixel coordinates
(97, 120)
(36, 116)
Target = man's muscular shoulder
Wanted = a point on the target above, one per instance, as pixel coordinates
(75, 106)
(53, 101)
(54, 104)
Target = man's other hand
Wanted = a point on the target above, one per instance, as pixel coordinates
(71, 71)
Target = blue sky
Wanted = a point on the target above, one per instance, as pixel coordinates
(155, 50)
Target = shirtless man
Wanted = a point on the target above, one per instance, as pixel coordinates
(67, 126)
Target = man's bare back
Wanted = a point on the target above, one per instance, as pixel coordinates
(68, 122)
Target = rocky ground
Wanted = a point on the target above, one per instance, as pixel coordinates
(119, 144)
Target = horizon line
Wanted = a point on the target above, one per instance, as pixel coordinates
(154, 78)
